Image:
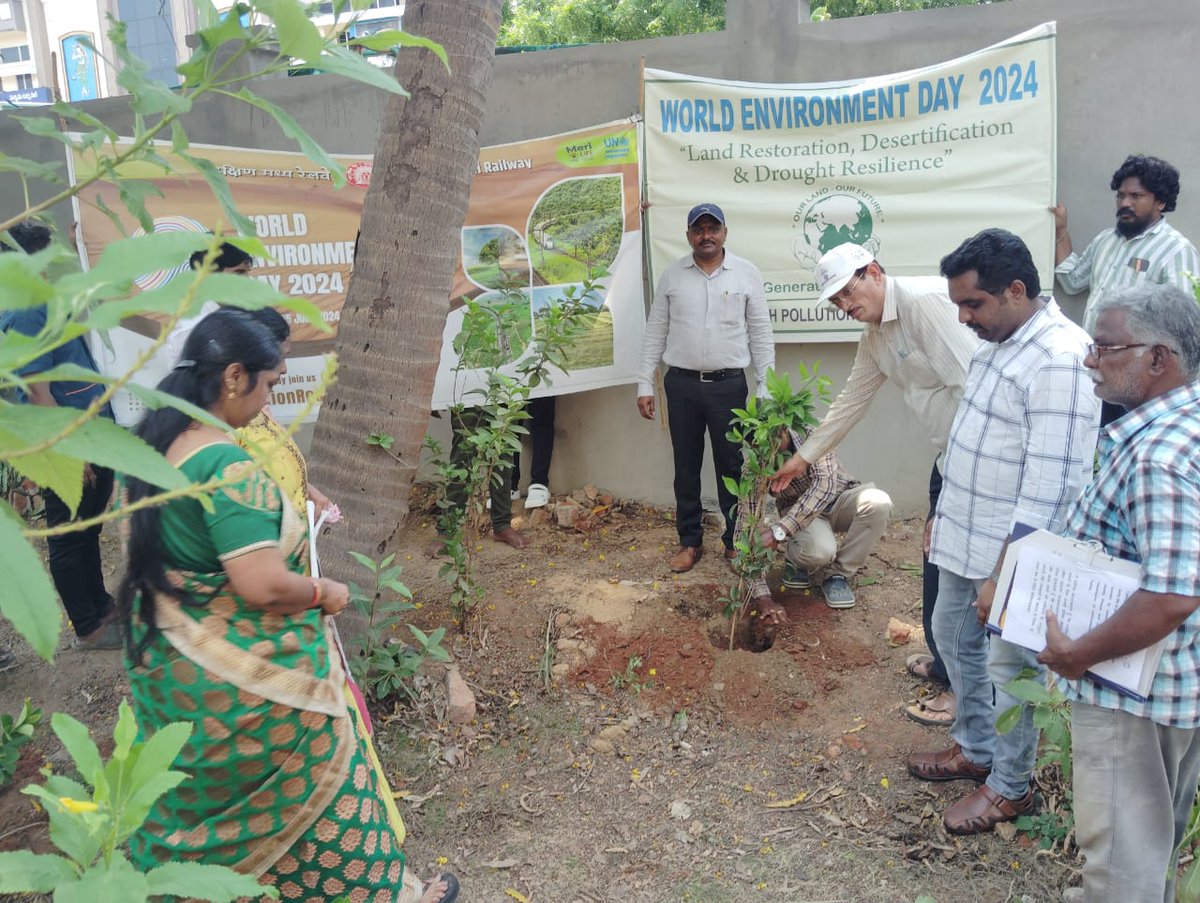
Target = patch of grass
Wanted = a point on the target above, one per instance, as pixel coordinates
(700, 890)
(594, 348)
(555, 267)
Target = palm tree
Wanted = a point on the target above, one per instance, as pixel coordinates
(390, 334)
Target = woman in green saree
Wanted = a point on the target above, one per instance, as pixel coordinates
(225, 631)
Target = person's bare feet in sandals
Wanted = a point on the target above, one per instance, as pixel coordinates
(512, 537)
(767, 616)
(920, 666)
(442, 889)
(937, 711)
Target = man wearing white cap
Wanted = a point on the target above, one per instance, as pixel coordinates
(708, 322)
(914, 339)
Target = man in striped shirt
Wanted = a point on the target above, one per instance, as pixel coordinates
(1020, 449)
(1143, 248)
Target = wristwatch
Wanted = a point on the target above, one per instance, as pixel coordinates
(779, 533)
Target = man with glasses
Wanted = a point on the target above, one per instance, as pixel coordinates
(912, 337)
(1020, 451)
(708, 322)
(1137, 763)
(1141, 249)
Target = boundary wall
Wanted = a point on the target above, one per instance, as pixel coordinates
(1122, 69)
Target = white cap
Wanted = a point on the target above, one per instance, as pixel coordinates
(837, 267)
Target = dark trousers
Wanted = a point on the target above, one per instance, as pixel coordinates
(541, 434)
(75, 557)
(929, 586)
(465, 422)
(692, 408)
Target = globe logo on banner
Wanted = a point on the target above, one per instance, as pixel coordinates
(831, 217)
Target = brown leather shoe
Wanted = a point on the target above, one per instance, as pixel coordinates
(730, 554)
(983, 809)
(685, 559)
(946, 765)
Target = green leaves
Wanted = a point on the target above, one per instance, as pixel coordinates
(296, 34)
(79, 746)
(27, 872)
(340, 61)
(97, 440)
(29, 600)
(392, 38)
(217, 883)
(220, 189)
(292, 129)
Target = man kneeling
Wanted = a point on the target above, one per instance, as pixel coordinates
(813, 508)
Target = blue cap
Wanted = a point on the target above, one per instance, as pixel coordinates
(705, 210)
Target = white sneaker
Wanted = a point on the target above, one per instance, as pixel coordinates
(516, 494)
(536, 496)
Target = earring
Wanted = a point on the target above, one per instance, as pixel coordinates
(232, 392)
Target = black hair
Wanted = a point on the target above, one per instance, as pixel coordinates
(228, 257)
(270, 318)
(30, 236)
(998, 258)
(222, 338)
(1157, 176)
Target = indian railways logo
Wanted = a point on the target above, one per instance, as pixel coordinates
(832, 216)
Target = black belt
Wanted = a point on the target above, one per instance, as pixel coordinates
(707, 376)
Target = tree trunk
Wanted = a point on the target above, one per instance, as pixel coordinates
(390, 335)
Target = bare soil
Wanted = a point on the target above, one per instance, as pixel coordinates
(695, 773)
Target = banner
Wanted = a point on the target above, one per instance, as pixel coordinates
(907, 165)
(544, 215)
(79, 64)
(307, 225)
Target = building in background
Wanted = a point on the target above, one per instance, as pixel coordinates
(58, 48)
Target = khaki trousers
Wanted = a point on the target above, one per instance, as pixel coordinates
(861, 513)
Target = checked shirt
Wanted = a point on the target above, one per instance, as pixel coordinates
(1144, 506)
(1021, 445)
(803, 500)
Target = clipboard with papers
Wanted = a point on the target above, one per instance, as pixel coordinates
(1083, 586)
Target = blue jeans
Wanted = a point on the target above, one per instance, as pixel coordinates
(977, 677)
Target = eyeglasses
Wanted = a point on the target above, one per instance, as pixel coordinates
(1096, 350)
(841, 297)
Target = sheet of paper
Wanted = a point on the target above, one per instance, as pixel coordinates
(1080, 598)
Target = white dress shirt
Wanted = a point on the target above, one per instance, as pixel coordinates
(708, 321)
(921, 347)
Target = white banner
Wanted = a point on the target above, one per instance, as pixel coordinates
(907, 165)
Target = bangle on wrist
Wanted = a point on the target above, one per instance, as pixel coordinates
(316, 596)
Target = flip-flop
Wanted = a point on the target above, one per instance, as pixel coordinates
(939, 711)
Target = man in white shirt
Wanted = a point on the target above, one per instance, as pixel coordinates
(1020, 450)
(1143, 248)
(708, 322)
(912, 337)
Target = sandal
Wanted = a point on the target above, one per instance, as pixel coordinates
(938, 711)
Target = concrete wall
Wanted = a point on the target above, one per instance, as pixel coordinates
(1121, 70)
